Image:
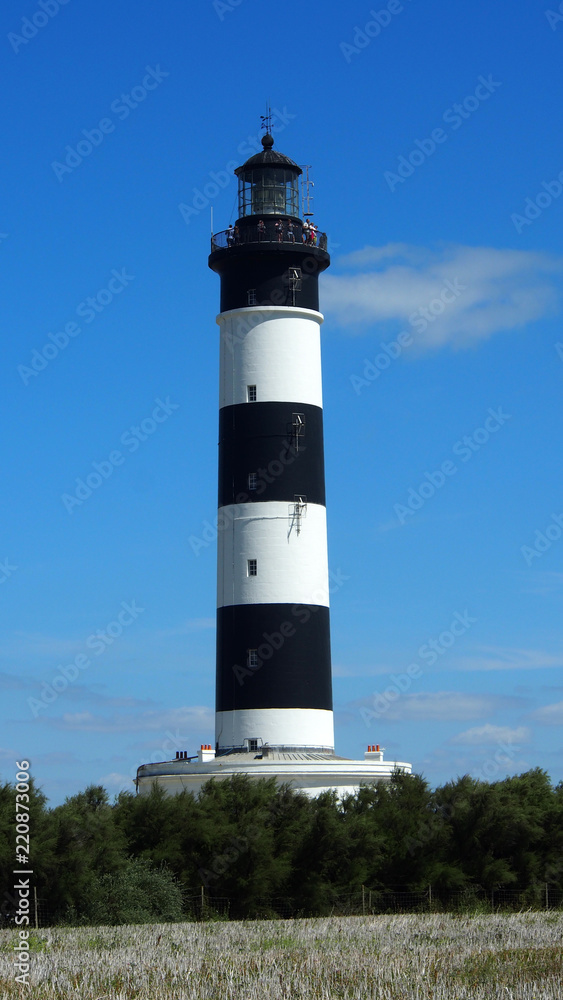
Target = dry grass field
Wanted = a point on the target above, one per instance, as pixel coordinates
(434, 957)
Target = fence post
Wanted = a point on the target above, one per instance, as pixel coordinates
(35, 901)
(363, 900)
(429, 897)
(202, 901)
(547, 896)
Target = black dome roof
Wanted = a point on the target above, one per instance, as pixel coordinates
(268, 158)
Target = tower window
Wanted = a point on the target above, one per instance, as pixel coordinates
(252, 567)
(252, 480)
(253, 745)
(252, 658)
(251, 393)
(251, 297)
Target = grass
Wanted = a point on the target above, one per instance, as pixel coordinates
(409, 957)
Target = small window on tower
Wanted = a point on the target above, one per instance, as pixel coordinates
(252, 480)
(251, 393)
(252, 658)
(252, 567)
(251, 296)
(253, 745)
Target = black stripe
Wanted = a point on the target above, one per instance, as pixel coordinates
(266, 270)
(293, 644)
(260, 438)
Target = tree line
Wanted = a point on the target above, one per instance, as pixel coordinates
(141, 857)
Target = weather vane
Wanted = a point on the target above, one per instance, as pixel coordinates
(266, 120)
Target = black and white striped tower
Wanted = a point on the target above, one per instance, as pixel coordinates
(273, 640)
(273, 690)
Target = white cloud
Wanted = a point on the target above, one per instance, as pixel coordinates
(373, 255)
(26, 645)
(444, 762)
(497, 658)
(56, 758)
(33, 646)
(115, 782)
(488, 735)
(501, 290)
(187, 627)
(77, 720)
(187, 719)
(542, 582)
(9, 682)
(446, 706)
(484, 658)
(366, 670)
(550, 715)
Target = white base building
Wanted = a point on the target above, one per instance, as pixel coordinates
(305, 770)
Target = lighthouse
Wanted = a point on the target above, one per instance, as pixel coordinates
(274, 711)
(273, 638)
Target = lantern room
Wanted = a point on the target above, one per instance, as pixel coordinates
(268, 184)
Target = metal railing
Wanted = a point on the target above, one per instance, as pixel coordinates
(270, 232)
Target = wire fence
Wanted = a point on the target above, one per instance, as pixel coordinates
(203, 905)
(366, 901)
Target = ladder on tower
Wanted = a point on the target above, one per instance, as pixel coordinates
(297, 429)
(295, 281)
(297, 511)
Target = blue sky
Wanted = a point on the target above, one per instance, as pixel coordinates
(433, 132)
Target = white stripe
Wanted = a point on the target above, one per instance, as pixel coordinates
(297, 727)
(275, 348)
(290, 553)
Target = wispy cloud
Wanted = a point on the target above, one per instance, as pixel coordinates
(96, 696)
(116, 782)
(359, 670)
(36, 645)
(56, 758)
(187, 628)
(486, 763)
(542, 582)
(498, 658)
(482, 658)
(549, 715)
(188, 719)
(9, 682)
(447, 706)
(25, 645)
(502, 290)
(89, 695)
(488, 735)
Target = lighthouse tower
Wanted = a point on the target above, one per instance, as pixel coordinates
(273, 669)
(273, 639)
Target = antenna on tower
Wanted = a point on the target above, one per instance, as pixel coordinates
(306, 196)
(266, 120)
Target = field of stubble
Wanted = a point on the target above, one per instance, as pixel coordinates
(437, 956)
